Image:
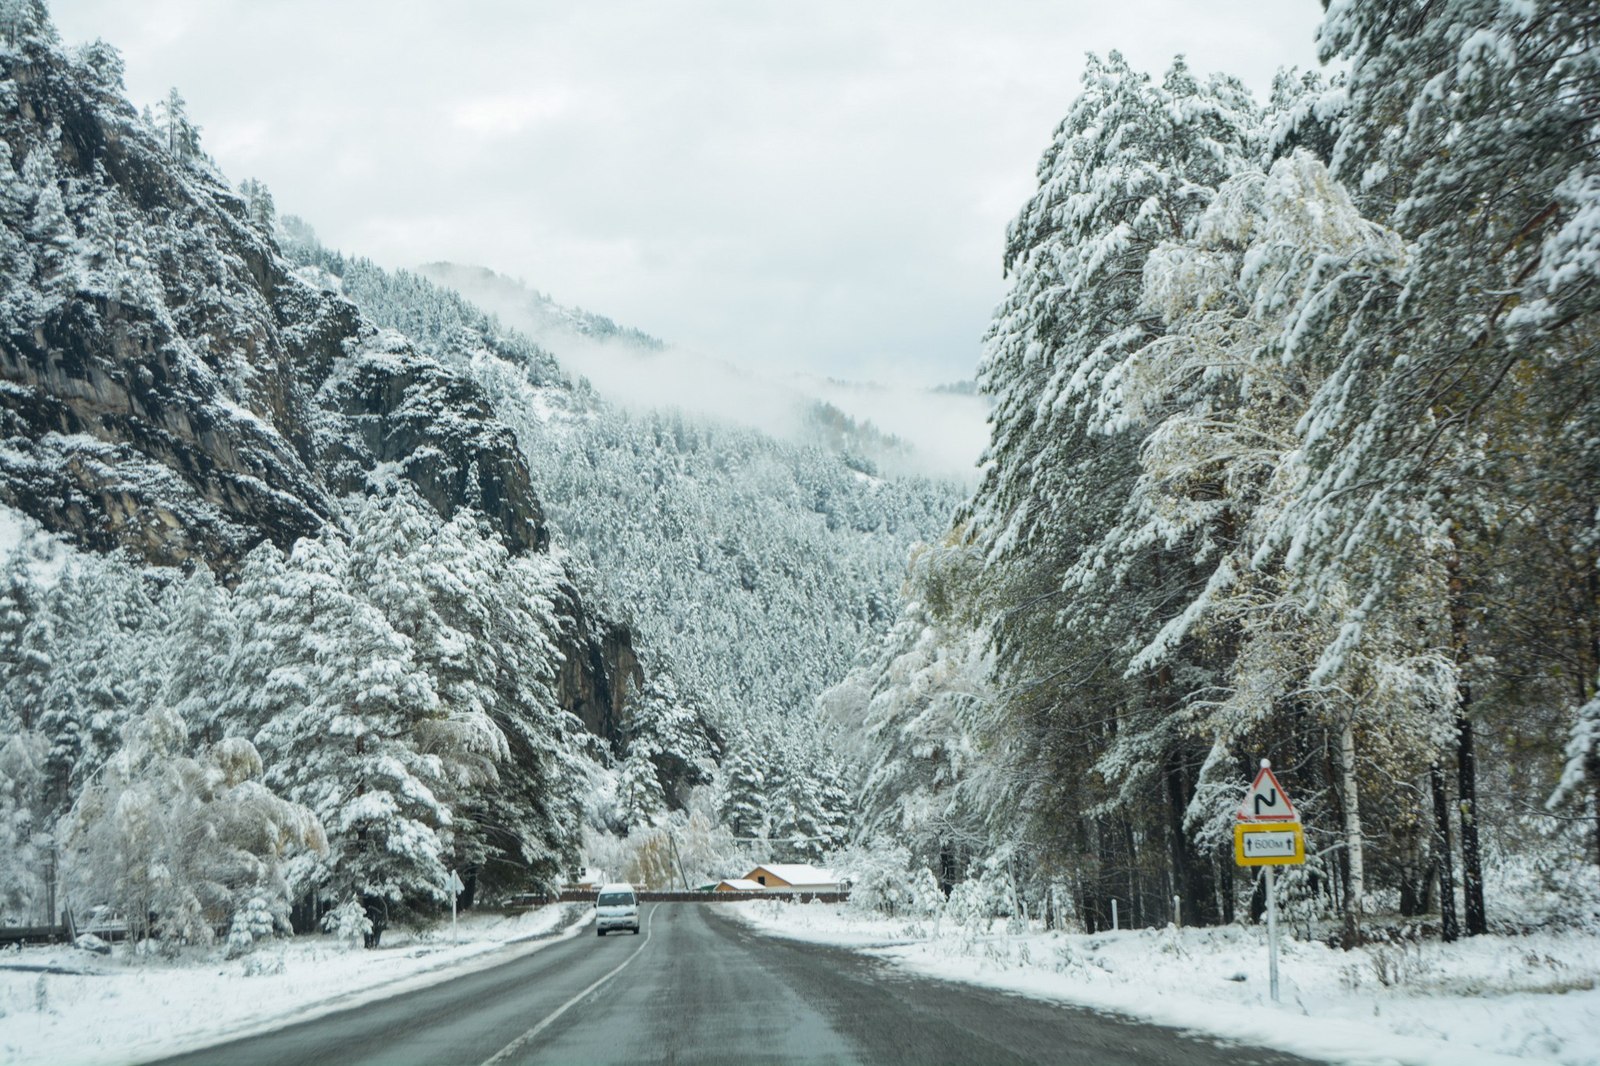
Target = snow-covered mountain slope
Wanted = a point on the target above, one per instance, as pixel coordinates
(170, 386)
(753, 565)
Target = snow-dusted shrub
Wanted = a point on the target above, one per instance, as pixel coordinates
(1536, 884)
(927, 898)
(185, 842)
(252, 922)
(987, 893)
(969, 903)
(881, 878)
(263, 966)
(348, 921)
(1399, 962)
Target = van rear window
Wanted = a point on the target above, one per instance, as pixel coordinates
(616, 899)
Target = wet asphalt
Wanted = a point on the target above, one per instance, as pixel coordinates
(698, 986)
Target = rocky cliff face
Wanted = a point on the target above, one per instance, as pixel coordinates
(169, 385)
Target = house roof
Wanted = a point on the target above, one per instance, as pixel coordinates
(740, 884)
(796, 873)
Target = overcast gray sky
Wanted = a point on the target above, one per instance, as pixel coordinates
(819, 185)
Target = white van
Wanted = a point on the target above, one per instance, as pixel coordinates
(617, 907)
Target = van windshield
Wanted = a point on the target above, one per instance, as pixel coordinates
(616, 899)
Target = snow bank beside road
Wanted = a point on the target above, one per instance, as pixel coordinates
(1483, 1000)
(128, 1009)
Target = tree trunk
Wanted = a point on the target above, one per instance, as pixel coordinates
(1190, 871)
(1466, 756)
(1092, 881)
(1136, 901)
(1339, 882)
(1258, 898)
(1444, 853)
(1356, 890)
(1226, 882)
(1467, 789)
(1592, 766)
(1410, 894)
(1430, 881)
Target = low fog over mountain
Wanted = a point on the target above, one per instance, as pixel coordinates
(937, 432)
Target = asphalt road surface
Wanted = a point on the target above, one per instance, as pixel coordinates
(698, 986)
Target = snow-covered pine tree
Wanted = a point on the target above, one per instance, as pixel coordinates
(181, 135)
(743, 786)
(99, 666)
(201, 634)
(343, 722)
(24, 21)
(50, 234)
(26, 836)
(258, 202)
(25, 830)
(1254, 307)
(672, 730)
(1471, 132)
(918, 713)
(640, 800)
(1133, 164)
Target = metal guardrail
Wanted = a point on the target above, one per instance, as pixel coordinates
(797, 895)
(32, 934)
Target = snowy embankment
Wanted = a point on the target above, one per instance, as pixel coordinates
(61, 1005)
(1493, 999)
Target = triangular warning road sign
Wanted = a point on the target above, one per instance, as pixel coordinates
(1266, 801)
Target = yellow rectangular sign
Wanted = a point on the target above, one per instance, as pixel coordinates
(1268, 844)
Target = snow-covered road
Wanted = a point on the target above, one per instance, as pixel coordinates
(697, 986)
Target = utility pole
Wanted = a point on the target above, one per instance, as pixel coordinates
(675, 857)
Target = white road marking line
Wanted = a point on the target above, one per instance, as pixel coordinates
(522, 1041)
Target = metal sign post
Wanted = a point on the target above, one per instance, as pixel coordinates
(1268, 834)
(454, 886)
(1272, 937)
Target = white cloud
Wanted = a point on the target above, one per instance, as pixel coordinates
(804, 186)
(507, 114)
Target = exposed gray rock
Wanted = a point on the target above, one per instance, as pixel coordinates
(169, 385)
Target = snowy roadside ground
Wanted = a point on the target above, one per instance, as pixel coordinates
(125, 1009)
(1493, 999)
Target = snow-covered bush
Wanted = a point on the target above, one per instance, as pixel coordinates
(987, 893)
(348, 921)
(927, 898)
(183, 844)
(877, 872)
(884, 880)
(1535, 884)
(254, 921)
(91, 943)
